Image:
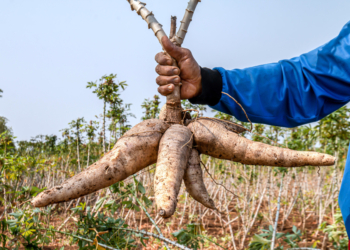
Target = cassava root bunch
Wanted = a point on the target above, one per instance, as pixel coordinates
(175, 143)
(154, 141)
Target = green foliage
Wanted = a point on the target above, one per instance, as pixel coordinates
(25, 226)
(3, 125)
(336, 232)
(77, 128)
(91, 129)
(109, 91)
(1, 92)
(191, 236)
(119, 114)
(98, 226)
(333, 132)
(263, 241)
(151, 108)
(200, 108)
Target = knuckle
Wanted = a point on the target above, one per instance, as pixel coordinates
(170, 70)
(162, 61)
(158, 68)
(162, 91)
(156, 58)
(176, 79)
(187, 53)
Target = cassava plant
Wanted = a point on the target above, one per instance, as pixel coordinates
(90, 130)
(151, 108)
(175, 142)
(77, 129)
(107, 90)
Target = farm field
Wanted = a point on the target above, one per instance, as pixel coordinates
(249, 199)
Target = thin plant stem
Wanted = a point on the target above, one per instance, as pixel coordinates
(277, 215)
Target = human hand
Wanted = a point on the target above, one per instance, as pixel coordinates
(188, 72)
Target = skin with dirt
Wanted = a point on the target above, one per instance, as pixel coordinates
(137, 149)
(194, 182)
(174, 151)
(213, 139)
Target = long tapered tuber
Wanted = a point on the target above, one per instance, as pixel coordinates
(174, 151)
(212, 138)
(137, 149)
(194, 183)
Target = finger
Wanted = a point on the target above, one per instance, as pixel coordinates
(167, 70)
(163, 59)
(165, 80)
(166, 90)
(173, 50)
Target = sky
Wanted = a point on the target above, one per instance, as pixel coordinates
(49, 50)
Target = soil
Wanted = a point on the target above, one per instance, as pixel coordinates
(211, 223)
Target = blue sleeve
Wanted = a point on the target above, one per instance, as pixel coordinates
(291, 92)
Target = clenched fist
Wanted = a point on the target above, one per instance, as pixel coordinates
(188, 73)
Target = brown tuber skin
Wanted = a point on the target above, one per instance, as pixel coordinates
(174, 151)
(194, 183)
(137, 149)
(212, 138)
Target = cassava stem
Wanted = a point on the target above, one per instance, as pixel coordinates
(172, 27)
(185, 23)
(194, 183)
(212, 138)
(148, 16)
(173, 100)
(174, 151)
(173, 114)
(137, 149)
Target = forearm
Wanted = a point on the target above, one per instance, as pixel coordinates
(288, 93)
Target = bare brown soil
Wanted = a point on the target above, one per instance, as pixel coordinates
(212, 224)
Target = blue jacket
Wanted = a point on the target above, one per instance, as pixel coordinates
(289, 93)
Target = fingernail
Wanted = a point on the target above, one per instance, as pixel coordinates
(177, 80)
(176, 71)
(170, 87)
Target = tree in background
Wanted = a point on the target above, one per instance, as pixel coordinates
(90, 130)
(3, 125)
(1, 92)
(64, 145)
(77, 128)
(118, 113)
(108, 91)
(151, 108)
(50, 144)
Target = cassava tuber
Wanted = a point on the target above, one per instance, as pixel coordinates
(213, 139)
(137, 149)
(174, 151)
(194, 183)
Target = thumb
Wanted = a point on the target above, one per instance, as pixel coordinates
(172, 49)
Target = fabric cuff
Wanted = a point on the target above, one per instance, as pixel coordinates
(211, 88)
